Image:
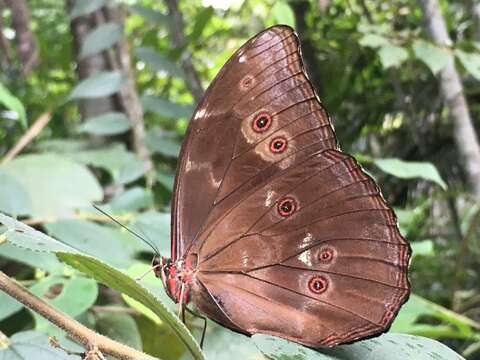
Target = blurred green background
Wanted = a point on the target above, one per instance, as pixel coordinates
(95, 97)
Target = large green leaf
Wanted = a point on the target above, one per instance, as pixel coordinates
(435, 57)
(56, 185)
(119, 327)
(13, 103)
(109, 244)
(102, 38)
(158, 62)
(42, 260)
(165, 107)
(416, 308)
(202, 19)
(392, 56)
(387, 346)
(112, 123)
(135, 198)
(102, 84)
(282, 13)
(35, 345)
(14, 198)
(103, 273)
(156, 227)
(373, 40)
(411, 169)
(8, 306)
(471, 62)
(72, 295)
(82, 7)
(151, 15)
(124, 166)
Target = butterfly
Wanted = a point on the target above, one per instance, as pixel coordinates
(275, 230)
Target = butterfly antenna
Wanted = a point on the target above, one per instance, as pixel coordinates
(154, 248)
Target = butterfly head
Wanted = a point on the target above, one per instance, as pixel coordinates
(175, 278)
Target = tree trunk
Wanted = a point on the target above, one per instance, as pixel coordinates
(80, 27)
(453, 95)
(27, 50)
(179, 41)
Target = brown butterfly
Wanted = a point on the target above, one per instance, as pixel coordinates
(274, 229)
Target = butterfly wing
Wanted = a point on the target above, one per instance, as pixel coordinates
(221, 130)
(332, 271)
(291, 238)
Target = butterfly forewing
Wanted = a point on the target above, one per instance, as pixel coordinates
(290, 236)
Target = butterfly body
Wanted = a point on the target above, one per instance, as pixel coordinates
(274, 229)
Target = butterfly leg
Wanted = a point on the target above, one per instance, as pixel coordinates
(181, 305)
(204, 331)
(147, 272)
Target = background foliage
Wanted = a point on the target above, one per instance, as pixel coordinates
(96, 110)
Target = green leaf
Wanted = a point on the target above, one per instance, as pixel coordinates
(158, 62)
(107, 275)
(56, 185)
(8, 306)
(161, 143)
(156, 227)
(471, 62)
(35, 345)
(119, 327)
(411, 169)
(282, 13)
(166, 178)
(387, 346)
(135, 198)
(435, 57)
(98, 85)
(417, 307)
(392, 56)
(72, 296)
(111, 123)
(422, 248)
(373, 40)
(202, 19)
(13, 103)
(165, 107)
(14, 198)
(108, 244)
(42, 260)
(151, 15)
(103, 37)
(124, 166)
(83, 7)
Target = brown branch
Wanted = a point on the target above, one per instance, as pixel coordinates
(453, 95)
(27, 49)
(131, 103)
(88, 338)
(179, 41)
(31, 133)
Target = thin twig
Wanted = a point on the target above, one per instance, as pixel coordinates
(31, 133)
(88, 338)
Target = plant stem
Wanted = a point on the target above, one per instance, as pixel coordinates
(88, 338)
